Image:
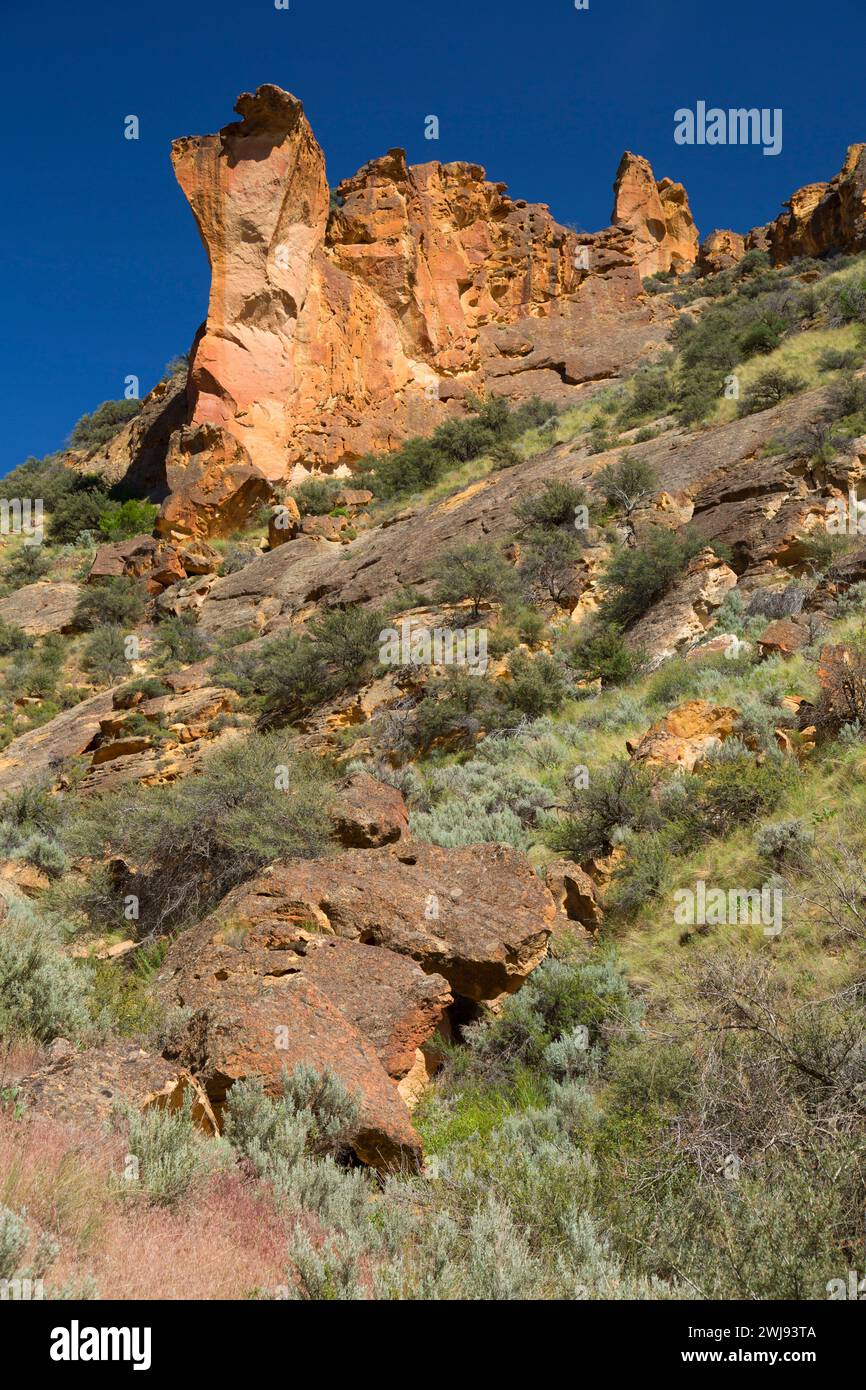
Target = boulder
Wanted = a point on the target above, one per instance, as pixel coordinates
(215, 488)
(686, 611)
(478, 916)
(369, 813)
(783, 637)
(720, 251)
(574, 893)
(685, 735)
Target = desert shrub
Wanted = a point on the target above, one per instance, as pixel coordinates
(27, 565)
(43, 993)
(599, 652)
(731, 791)
(553, 507)
(13, 638)
(650, 395)
(768, 390)
(627, 484)
(846, 303)
(37, 670)
(114, 601)
(313, 1118)
(618, 797)
(548, 562)
(638, 576)
(104, 655)
(315, 496)
(103, 423)
(785, 844)
(504, 454)
(122, 520)
(15, 1237)
(538, 685)
(194, 840)
(478, 803)
(179, 640)
(839, 359)
(846, 397)
(474, 571)
(77, 510)
(171, 1153)
(560, 1022)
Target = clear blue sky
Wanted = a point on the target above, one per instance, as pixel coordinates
(103, 270)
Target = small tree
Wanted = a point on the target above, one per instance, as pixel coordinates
(626, 485)
(476, 572)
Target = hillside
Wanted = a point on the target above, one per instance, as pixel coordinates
(431, 757)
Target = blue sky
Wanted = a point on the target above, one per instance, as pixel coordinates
(103, 271)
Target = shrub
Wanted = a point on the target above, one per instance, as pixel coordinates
(104, 655)
(171, 1153)
(538, 684)
(768, 390)
(555, 506)
(196, 839)
(599, 652)
(13, 638)
(474, 571)
(179, 640)
(626, 484)
(637, 577)
(786, 844)
(618, 797)
(122, 520)
(548, 565)
(731, 791)
(103, 424)
(116, 601)
(42, 992)
(314, 1117)
(27, 565)
(650, 396)
(75, 511)
(315, 496)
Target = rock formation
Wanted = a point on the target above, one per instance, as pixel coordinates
(659, 216)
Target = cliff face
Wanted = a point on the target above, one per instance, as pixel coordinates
(332, 331)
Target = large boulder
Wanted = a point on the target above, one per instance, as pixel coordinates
(478, 916)
(368, 813)
(215, 487)
(685, 735)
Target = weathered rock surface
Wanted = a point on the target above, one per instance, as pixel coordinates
(687, 610)
(720, 251)
(494, 913)
(368, 813)
(824, 217)
(42, 607)
(334, 332)
(658, 214)
(574, 893)
(214, 487)
(685, 735)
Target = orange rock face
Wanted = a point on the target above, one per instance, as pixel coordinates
(333, 331)
(665, 236)
(824, 217)
(719, 251)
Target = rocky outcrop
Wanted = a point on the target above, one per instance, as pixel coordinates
(684, 736)
(351, 962)
(657, 214)
(369, 813)
(42, 607)
(822, 218)
(214, 487)
(335, 331)
(720, 251)
(685, 612)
